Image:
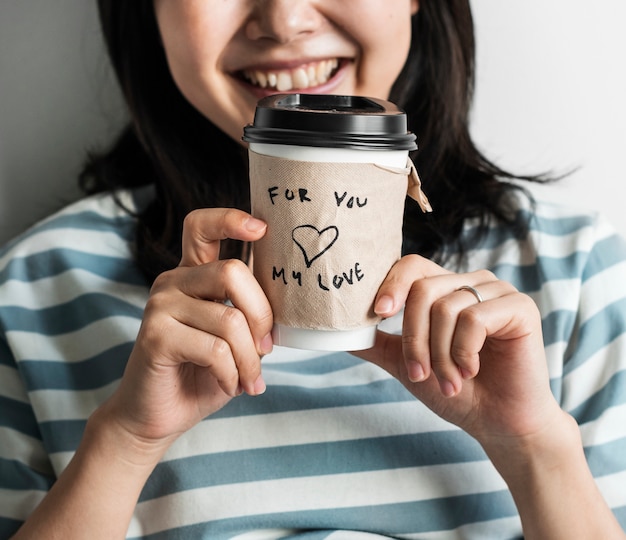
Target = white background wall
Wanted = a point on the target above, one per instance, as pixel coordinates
(551, 95)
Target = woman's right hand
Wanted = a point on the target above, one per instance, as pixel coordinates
(195, 352)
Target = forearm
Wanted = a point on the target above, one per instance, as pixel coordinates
(96, 495)
(553, 488)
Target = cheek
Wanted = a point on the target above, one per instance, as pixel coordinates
(384, 55)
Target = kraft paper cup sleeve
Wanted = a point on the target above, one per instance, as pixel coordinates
(415, 184)
(334, 231)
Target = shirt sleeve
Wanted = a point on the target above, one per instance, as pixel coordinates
(25, 470)
(594, 372)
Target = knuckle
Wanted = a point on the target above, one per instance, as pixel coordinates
(192, 219)
(155, 330)
(265, 318)
(462, 356)
(471, 317)
(163, 281)
(232, 269)
(421, 289)
(411, 347)
(232, 320)
(485, 276)
(217, 348)
(443, 308)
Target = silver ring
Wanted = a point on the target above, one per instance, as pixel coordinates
(473, 291)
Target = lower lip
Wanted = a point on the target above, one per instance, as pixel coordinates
(326, 88)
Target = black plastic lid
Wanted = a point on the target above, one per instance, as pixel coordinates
(331, 121)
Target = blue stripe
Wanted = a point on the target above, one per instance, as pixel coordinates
(8, 526)
(561, 225)
(320, 365)
(607, 458)
(89, 374)
(605, 254)
(56, 261)
(6, 354)
(62, 436)
(309, 535)
(19, 417)
(597, 332)
(316, 459)
(612, 394)
(122, 226)
(68, 317)
(295, 398)
(620, 514)
(16, 475)
(557, 326)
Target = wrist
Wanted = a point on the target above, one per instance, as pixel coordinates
(106, 434)
(551, 447)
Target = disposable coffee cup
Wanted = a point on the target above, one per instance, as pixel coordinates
(329, 175)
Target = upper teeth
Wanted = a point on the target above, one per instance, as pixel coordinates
(305, 76)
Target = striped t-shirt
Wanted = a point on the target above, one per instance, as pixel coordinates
(335, 448)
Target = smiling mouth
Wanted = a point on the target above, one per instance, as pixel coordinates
(284, 80)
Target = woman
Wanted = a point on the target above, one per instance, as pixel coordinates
(125, 368)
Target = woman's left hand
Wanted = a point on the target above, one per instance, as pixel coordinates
(478, 364)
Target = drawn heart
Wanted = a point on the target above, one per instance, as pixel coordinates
(314, 243)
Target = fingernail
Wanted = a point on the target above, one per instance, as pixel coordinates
(415, 371)
(447, 388)
(254, 225)
(259, 386)
(465, 373)
(267, 344)
(384, 305)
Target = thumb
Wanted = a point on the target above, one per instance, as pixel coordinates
(204, 229)
(386, 353)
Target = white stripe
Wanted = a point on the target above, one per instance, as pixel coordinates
(361, 373)
(65, 287)
(597, 296)
(320, 493)
(594, 373)
(509, 253)
(555, 353)
(19, 505)
(327, 425)
(557, 295)
(612, 487)
(495, 529)
(59, 405)
(72, 238)
(91, 242)
(609, 427)
(25, 449)
(75, 346)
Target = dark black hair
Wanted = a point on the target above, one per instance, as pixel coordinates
(193, 164)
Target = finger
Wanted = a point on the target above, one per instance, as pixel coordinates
(204, 229)
(387, 354)
(245, 326)
(455, 356)
(427, 302)
(172, 343)
(231, 280)
(395, 289)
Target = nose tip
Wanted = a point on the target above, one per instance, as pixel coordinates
(282, 21)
